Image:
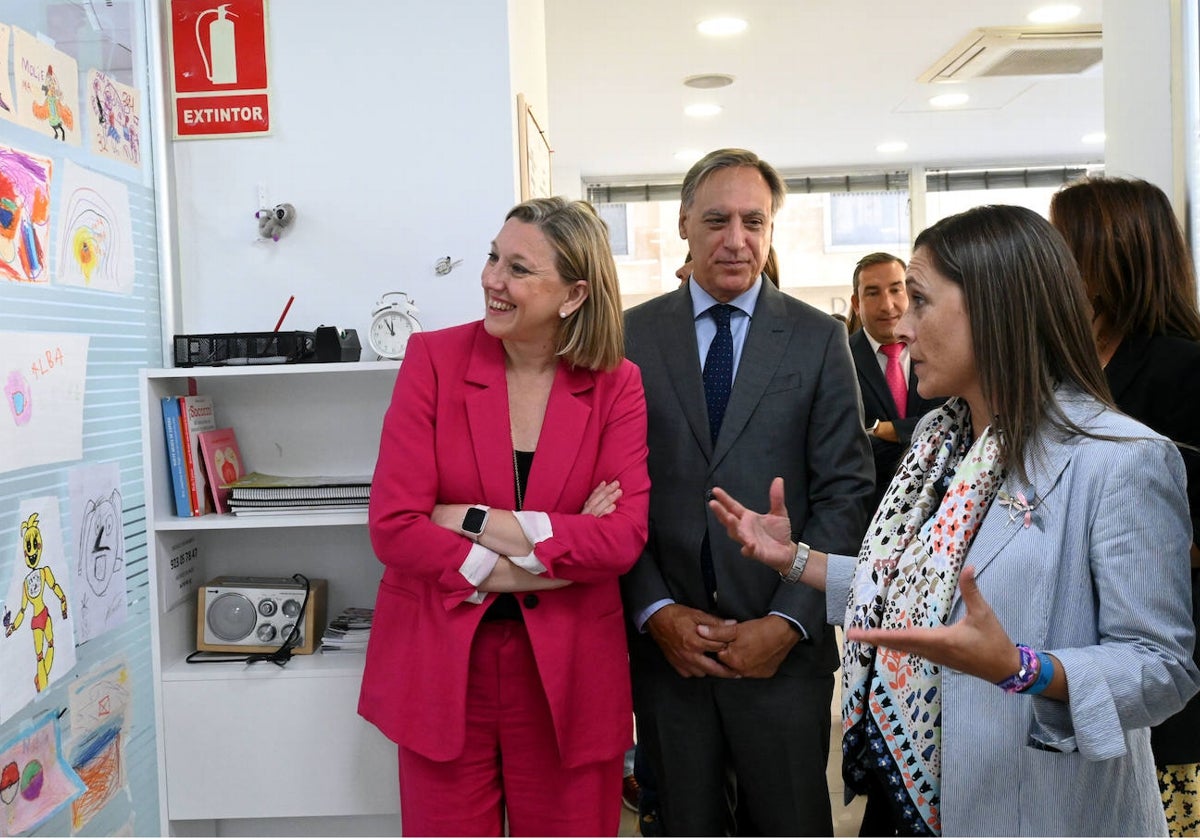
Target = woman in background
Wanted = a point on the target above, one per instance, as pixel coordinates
(1027, 510)
(510, 493)
(1139, 276)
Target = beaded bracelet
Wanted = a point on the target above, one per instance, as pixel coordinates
(1045, 674)
(1028, 673)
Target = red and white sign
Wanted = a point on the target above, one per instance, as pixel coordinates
(219, 68)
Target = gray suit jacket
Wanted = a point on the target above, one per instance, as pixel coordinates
(794, 411)
(1101, 580)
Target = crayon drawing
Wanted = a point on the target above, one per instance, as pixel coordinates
(99, 573)
(116, 121)
(94, 232)
(24, 215)
(37, 646)
(41, 420)
(35, 781)
(47, 88)
(7, 101)
(99, 707)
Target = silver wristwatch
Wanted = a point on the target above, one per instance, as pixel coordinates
(798, 564)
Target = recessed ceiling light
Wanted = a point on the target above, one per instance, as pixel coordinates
(949, 100)
(702, 109)
(1095, 137)
(720, 27)
(688, 155)
(1054, 13)
(708, 81)
(891, 146)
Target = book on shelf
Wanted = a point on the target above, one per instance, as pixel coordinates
(349, 631)
(258, 485)
(223, 464)
(196, 415)
(175, 460)
(301, 507)
(349, 501)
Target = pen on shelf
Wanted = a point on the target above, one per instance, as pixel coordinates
(284, 313)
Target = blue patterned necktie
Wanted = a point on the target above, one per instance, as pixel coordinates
(718, 369)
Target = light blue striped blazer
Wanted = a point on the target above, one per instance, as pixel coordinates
(1101, 580)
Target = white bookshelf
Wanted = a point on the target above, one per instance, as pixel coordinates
(260, 742)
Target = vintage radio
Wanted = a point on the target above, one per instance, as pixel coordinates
(256, 614)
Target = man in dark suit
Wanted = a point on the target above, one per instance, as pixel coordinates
(736, 396)
(884, 372)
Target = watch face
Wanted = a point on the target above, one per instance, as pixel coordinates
(389, 334)
(473, 520)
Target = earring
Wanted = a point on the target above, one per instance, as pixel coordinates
(562, 314)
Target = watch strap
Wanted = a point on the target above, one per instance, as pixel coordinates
(799, 562)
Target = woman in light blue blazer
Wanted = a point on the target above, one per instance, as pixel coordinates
(1027, 511)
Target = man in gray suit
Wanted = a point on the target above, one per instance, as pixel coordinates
(732, 667)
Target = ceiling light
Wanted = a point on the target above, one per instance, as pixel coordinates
(1054, 13)
(721, 27)
(1095, 137)
(702, 109)
(708, 81)
(688, 155)
(949, 100)
(891, 146)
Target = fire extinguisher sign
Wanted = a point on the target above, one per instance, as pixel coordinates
(219, 68)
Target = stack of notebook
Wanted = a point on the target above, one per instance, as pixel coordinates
(261, 494)
(349, 632)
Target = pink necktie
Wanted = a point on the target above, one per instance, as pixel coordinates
(895, 376)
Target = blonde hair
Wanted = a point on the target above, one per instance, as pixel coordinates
(593, 335)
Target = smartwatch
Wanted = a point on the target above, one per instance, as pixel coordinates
(874, 427)
(475, 520)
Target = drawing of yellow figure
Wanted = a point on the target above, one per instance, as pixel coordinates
(33, 596)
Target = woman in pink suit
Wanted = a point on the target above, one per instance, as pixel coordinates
(510, 493)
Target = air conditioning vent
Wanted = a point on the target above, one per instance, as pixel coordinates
(1020, 51)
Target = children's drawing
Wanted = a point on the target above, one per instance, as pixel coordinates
(24, 215)
(99, 705)
(94, 232)
(98, 698)
(38, 643)
(38, 582)
(116, 118)
(7, 102)
(41, 421)
(35, 780)
(99, 581)
(47, 88)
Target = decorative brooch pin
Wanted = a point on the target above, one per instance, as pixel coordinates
(1018, 507)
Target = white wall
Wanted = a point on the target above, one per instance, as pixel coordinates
(1143, 97)
(394, 137)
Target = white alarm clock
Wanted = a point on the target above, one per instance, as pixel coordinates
(392, 322)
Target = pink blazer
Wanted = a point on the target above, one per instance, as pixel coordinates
(446, 439)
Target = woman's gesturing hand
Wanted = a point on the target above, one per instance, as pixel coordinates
(976, 645)
(767, 537)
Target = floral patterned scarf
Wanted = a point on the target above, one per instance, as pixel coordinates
(906, 576)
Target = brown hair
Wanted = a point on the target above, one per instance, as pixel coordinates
(1028, 314)
(877, 258)
(593, 335)
(1132, 255)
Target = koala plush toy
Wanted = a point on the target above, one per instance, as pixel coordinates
(271, 223)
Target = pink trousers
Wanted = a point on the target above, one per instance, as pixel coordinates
(510, 765)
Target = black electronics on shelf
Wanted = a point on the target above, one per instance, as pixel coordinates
(249, 348)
